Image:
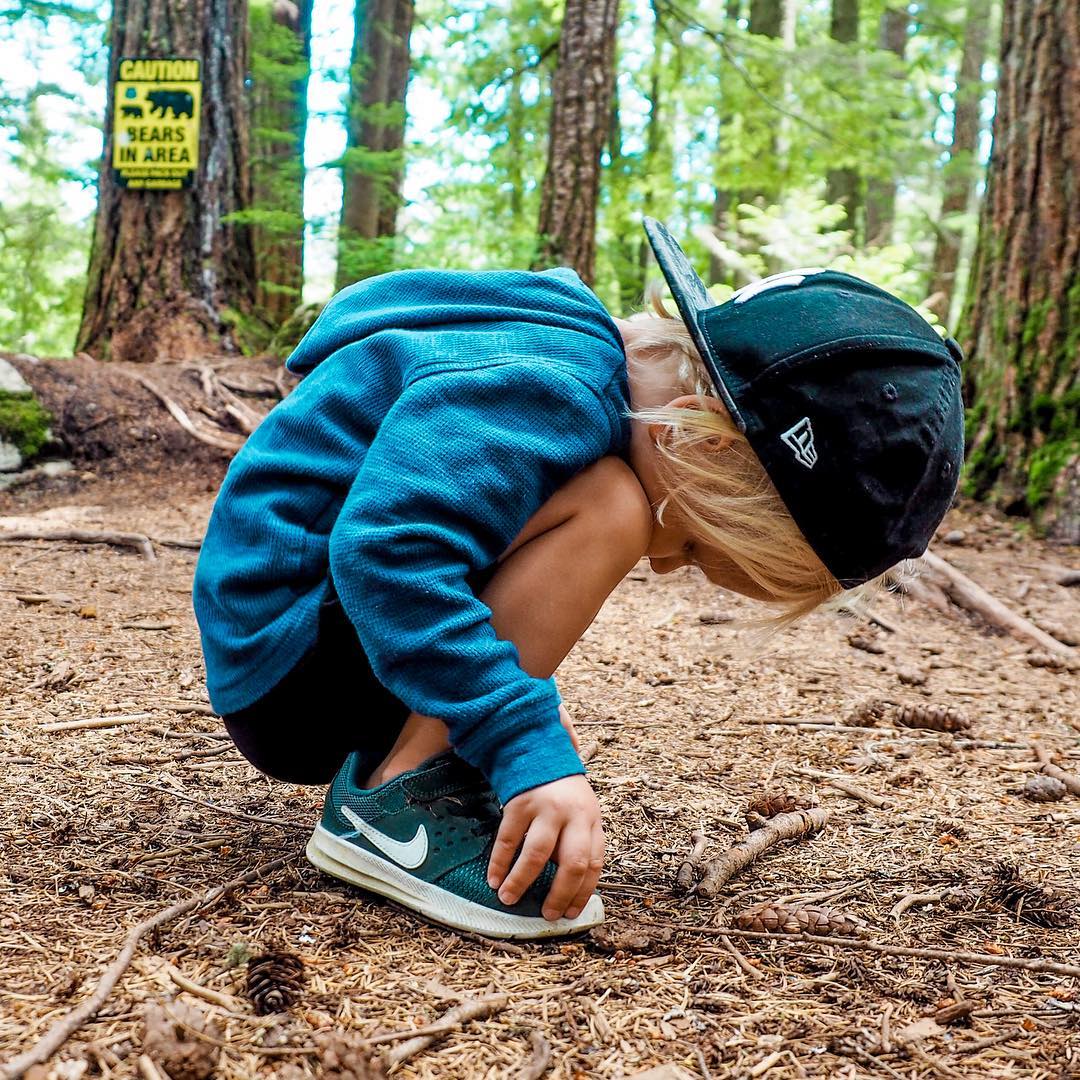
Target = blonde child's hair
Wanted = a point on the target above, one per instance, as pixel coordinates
(735, 507)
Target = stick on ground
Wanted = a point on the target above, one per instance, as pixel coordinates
(963, 592)
(453, 1020)
(685, 878)
(68, 1024)
(718, 872)
(138, 541)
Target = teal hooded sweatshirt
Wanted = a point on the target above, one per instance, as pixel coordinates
(438, 411)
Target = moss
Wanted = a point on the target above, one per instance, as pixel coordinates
(24, 422)
(1046, 462)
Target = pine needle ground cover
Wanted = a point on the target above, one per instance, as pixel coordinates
(930, 845)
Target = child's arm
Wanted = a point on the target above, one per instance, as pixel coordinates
(459, 464)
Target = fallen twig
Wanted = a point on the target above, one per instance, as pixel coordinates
(718, 872)
(1024, 963)
(589, 751)
(86, 536)
(1070, 780)
(68, 1024)
(540, 1061)
(95, 722)
(965, 593)
(146, 625)
(912, 899)
(453, 1020)
(848, 788)
(685, 877)
(215, 997)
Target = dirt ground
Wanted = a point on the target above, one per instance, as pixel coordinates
(104, 827)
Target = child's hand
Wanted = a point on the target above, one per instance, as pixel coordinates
(559, 821)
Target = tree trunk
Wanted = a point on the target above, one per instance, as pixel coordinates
(373, 161)
(844, 185)
(881, 192)
(169, 276)
(962, 170)
(580, 111)
(1022, 326)
(280, 63)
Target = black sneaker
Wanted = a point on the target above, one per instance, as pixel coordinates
(424, 840)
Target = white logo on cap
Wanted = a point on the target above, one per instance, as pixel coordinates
(787, 277)
(801, 440)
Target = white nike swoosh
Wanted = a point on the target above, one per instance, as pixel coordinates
(407, 853)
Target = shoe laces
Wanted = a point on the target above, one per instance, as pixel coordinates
(478, 803)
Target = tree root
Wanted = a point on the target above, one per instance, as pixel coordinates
(86, 536)
(965, 593)
(219, 438)
(718, 872)
(68, 1024)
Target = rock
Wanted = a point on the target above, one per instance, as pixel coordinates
(954, 536)
(11, 382)
(10, 458)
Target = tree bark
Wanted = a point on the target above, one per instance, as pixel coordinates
(881, 192)
(373, 162)
(280, 64)
(844, 185)
(963, 168)
(1022, 325)
(580, 110)
(169, 276)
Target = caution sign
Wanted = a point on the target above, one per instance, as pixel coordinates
(156, 123)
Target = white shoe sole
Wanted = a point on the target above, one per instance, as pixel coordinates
(346, 861)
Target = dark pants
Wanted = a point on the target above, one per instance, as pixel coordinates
(328, 705)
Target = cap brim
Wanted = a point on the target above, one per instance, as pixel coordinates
(692, 297)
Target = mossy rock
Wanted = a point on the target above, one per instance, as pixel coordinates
(24, 423)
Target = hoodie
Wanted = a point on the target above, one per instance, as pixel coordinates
(438, 411)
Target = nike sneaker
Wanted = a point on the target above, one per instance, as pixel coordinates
(423, 840)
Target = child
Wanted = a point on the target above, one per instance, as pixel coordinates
(410, 543)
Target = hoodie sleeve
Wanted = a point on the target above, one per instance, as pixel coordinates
(459, 464)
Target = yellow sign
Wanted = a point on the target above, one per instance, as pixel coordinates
(156, 123)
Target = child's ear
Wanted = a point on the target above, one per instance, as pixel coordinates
(688, 401)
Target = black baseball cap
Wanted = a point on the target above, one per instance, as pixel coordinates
(847, 395)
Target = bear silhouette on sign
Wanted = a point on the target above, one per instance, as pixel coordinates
(178, 100)
(131, 111)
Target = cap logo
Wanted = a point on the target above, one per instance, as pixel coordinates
(787, 277)
(800, 438)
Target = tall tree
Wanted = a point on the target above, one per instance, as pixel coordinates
(169, 272)
(1023, 319)
(580, 117)
(962, 169)
(373, 160)
(280, 63)
(843, 184)
(881, 190)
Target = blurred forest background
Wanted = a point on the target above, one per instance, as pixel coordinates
(344, 138)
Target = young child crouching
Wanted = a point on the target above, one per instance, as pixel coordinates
(412, 541)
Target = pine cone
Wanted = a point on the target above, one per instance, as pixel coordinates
(932, 718)
(867, 714)
(1043, 789)
(274, 981)
(1029, 902)
(769, 805)
(772, 918)
(866, 644)
(340, 1059)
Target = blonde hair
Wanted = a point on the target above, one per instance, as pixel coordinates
(726, 501)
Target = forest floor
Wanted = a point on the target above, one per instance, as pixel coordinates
(104, 827)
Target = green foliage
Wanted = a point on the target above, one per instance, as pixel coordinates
(24, 422)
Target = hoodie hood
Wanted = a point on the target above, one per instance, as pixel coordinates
(425, 300)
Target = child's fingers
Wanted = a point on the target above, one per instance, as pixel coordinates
(535, 852)
(507, 841)
(573, 857)
(592, 876)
